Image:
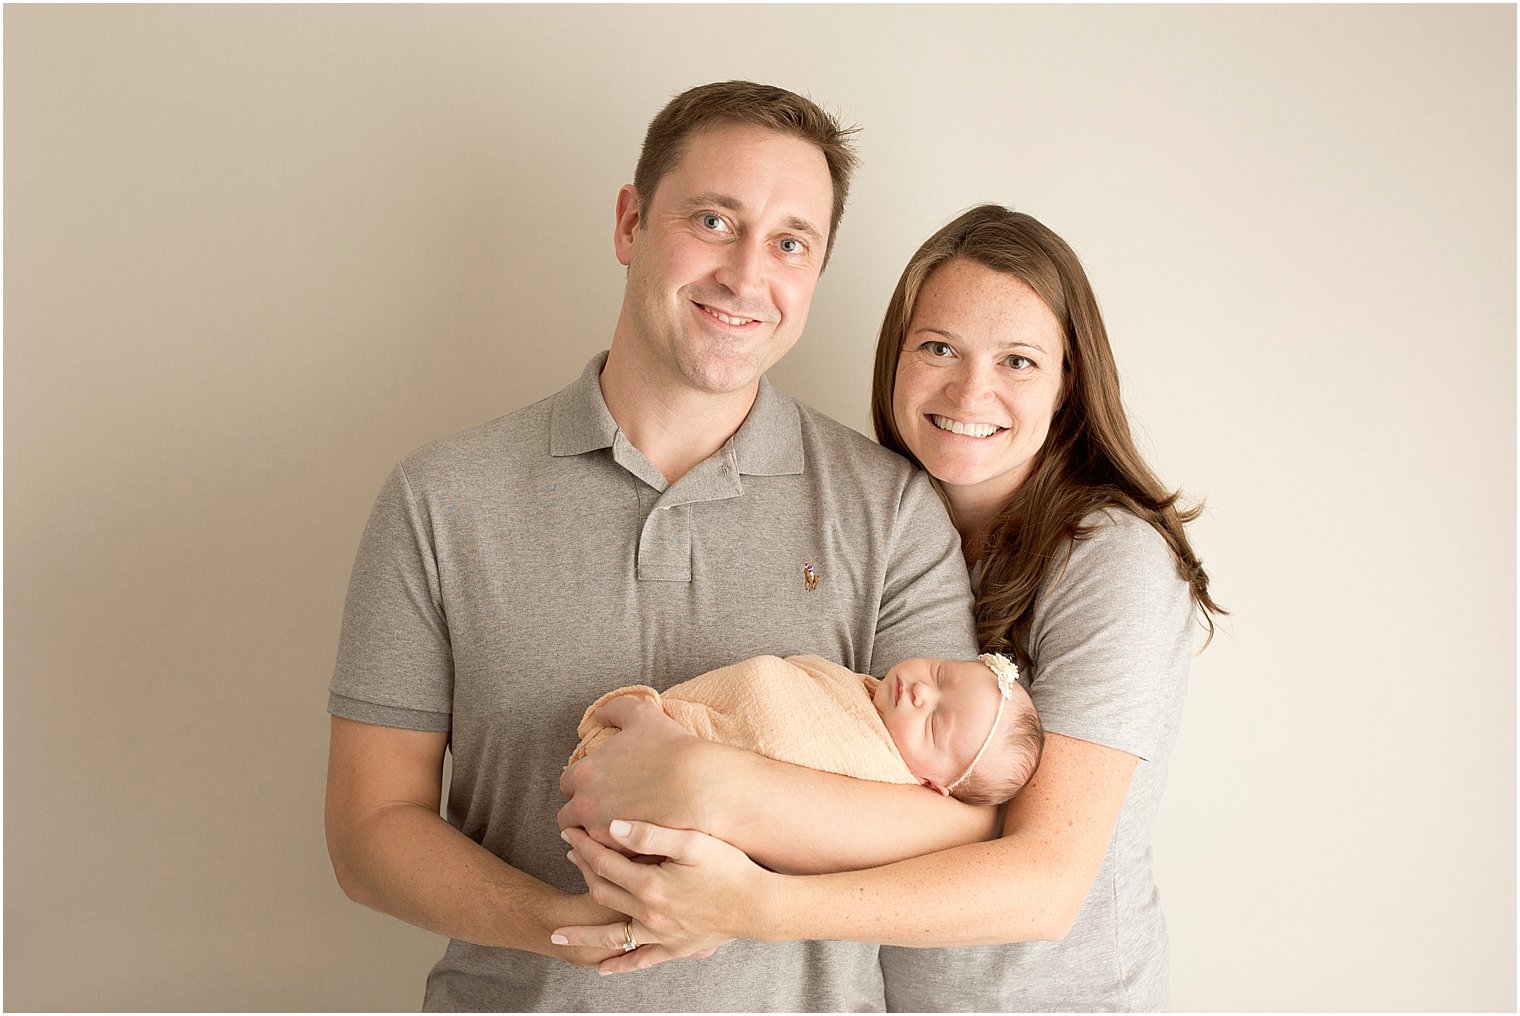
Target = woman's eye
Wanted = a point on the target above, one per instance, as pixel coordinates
(1019, 362)
(937, 348)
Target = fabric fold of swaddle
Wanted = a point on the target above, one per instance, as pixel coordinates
(803, 709)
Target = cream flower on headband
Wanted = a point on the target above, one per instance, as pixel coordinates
(1007, 673)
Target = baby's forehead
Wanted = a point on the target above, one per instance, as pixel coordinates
(972, 672)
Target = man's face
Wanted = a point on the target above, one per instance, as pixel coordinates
(723, 257)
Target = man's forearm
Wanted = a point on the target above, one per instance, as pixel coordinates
(406, 861)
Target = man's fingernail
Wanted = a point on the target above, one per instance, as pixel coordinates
(559, 940)
(620, 828)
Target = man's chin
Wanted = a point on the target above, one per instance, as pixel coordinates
(722, 376)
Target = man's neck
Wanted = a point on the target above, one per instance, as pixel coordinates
(674, 428)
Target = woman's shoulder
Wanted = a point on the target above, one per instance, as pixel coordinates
(1114, 538)
(1110, 637)
(1119, 565)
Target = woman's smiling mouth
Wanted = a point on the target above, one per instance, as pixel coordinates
(965, 429)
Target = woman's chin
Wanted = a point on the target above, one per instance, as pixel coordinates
(959, 474)
(967, 484)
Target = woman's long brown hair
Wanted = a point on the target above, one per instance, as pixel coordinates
(1089, 460)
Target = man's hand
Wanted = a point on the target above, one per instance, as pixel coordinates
(651, 769)
(585, 953)
(391, 851)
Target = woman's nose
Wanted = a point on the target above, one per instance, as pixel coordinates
(971, 385)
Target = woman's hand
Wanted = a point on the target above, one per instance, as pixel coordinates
(648, 769)
(705, 894)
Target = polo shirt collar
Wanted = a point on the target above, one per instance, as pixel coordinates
(580, 421)
(768, 443)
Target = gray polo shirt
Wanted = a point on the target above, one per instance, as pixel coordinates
(512, 573)
(1111, 634)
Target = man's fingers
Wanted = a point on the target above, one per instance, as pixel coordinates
(597, 936)
(603, 890)
(640, 959)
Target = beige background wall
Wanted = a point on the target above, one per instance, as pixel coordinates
(253, 256)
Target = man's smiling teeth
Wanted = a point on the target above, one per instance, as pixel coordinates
(726, 319)
(968, 429)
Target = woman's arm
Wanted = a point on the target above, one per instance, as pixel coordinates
(786, 817)
(1026, 885)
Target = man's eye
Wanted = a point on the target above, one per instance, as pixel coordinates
(711, 221)
(792, 245)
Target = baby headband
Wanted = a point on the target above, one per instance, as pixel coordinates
(1007, 677)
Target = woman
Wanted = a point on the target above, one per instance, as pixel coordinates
(994, 373)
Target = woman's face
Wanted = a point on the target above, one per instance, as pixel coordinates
(978, 380)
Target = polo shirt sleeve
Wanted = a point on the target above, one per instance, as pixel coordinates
(926, 597)
(1111, 637)
(395, 665)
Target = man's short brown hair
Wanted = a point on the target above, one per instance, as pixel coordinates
(745, 102)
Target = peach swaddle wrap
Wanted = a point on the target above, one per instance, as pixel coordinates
(804, 710)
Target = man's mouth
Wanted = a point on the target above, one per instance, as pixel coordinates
(966, 429)
(728, 319)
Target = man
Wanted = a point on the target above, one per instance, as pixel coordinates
(668, 513)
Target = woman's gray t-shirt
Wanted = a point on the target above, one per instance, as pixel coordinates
(1111, 637)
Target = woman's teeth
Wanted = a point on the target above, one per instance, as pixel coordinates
(968, 429)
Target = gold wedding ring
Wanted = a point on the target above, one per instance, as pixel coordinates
(629, 942)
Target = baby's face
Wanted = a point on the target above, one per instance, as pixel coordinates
(939, 712)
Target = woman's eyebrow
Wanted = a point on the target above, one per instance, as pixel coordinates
(947, 333)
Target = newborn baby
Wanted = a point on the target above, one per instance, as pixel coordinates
(961, 727)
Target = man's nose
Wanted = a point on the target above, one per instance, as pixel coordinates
(743, 271)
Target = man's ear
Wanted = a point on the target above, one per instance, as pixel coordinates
(627, 223)
(933, 786)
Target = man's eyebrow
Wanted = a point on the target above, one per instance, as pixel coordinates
(797, 225)
(723, 201)
(731, 204)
